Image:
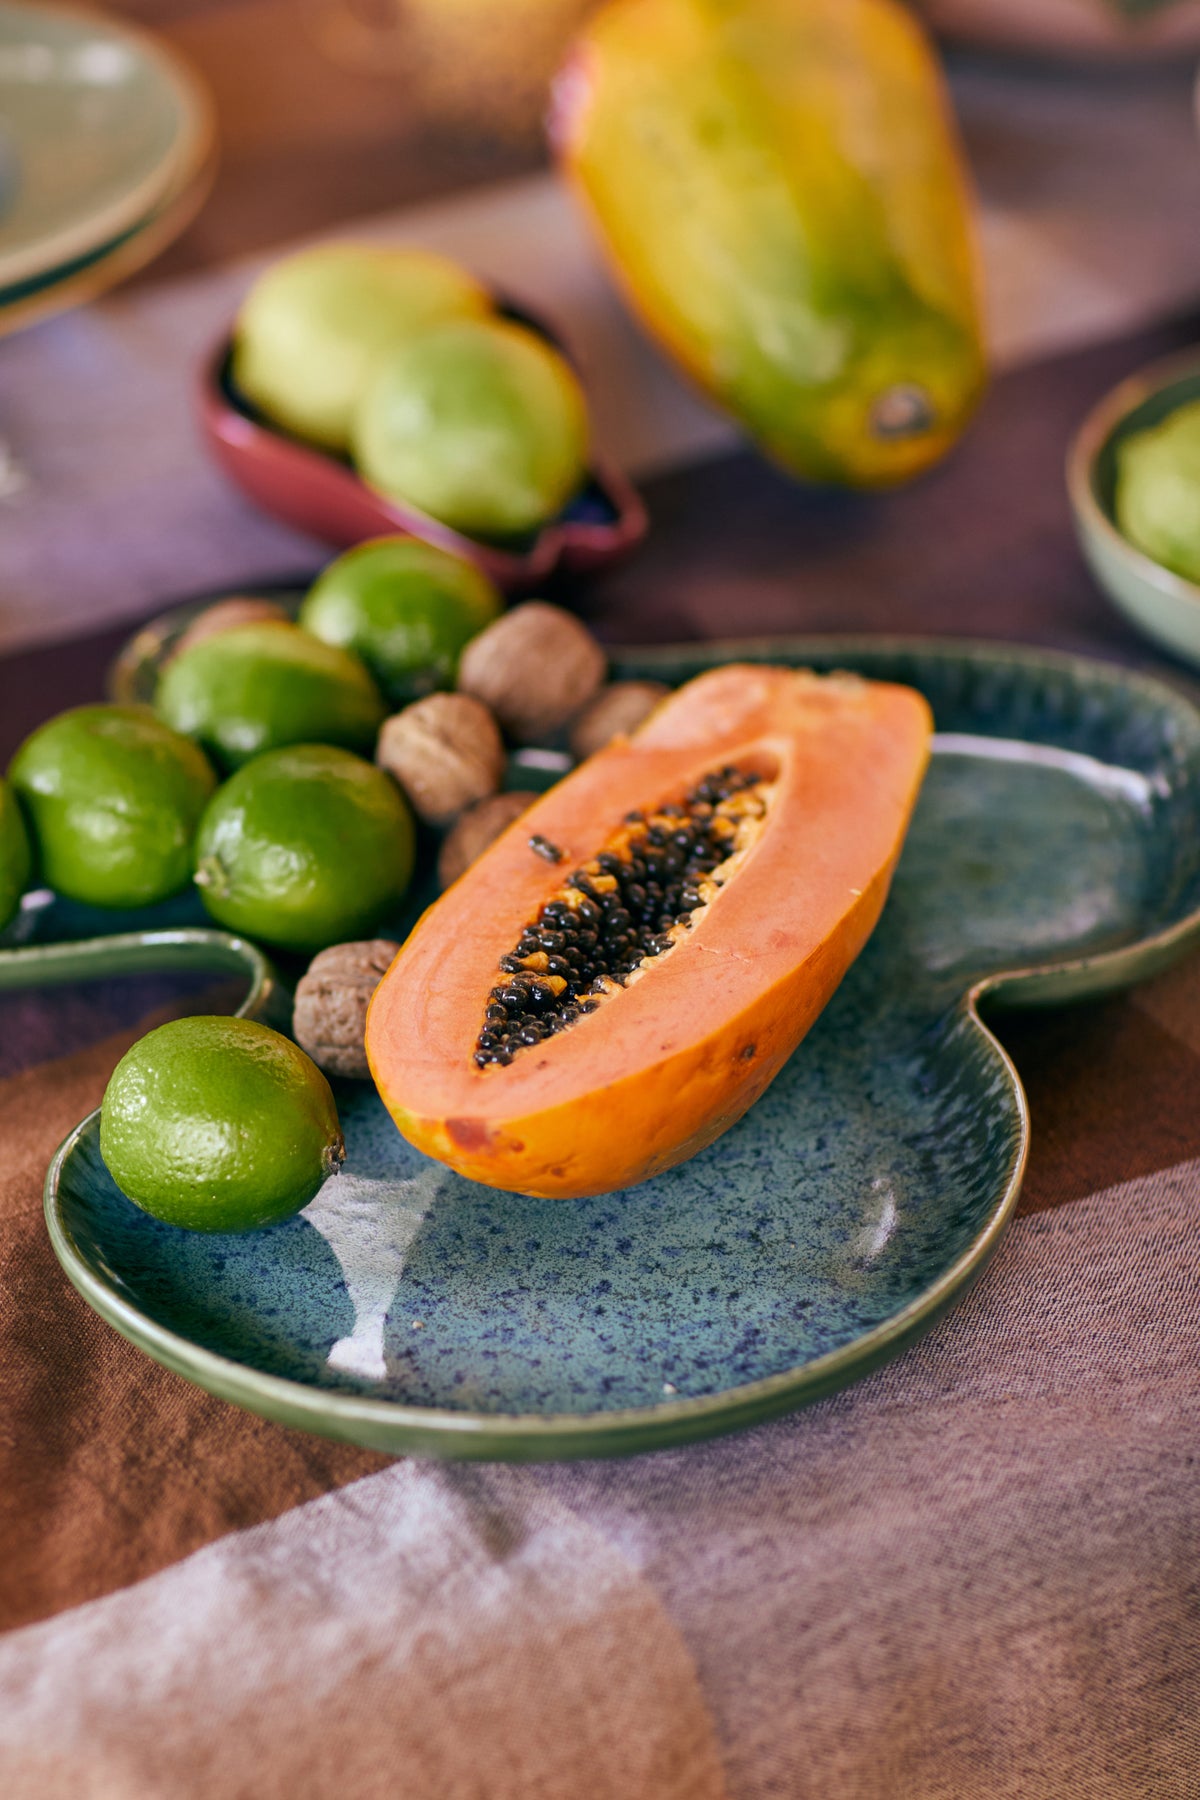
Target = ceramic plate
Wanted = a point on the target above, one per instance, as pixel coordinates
(1055, 853)
(28, 302)
(99, 120)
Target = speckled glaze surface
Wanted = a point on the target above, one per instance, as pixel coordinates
(1055, 853)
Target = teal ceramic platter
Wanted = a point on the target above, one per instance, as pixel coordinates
(100, 123)
(1055, 853)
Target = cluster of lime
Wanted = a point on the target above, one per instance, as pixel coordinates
(251, 777)
(1158, 490)
(217, 1123)
(305, 841)
(251, 774)
(398, 360)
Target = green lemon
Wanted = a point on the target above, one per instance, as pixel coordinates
(16, 858)
(257, 687)
(313, 325)
(114, 797)
(305, 847)
(219, 1124)
(1158, 491)
(479, 423)
(406, 608)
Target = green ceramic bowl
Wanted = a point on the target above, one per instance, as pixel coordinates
(1163, 605)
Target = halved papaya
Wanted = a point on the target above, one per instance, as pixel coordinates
(626, 969)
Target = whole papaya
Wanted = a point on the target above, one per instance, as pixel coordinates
(779, 185)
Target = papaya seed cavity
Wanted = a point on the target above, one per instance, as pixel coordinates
(620, 910)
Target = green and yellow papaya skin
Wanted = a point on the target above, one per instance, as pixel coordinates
(779, 186)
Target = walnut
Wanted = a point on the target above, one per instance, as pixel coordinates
(332, 997)
(223, 615)
(480, 826)
(615, 712)
(534, 667)
(446, 753)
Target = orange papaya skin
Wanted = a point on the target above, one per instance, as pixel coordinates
(779, 188)
(668, 1063)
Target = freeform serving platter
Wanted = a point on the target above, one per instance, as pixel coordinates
(1054, 855)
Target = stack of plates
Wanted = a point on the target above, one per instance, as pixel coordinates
(106, 151)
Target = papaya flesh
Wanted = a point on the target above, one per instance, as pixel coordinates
(805, 783)
(779, 187)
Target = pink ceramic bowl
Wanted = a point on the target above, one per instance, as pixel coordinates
(321, 494)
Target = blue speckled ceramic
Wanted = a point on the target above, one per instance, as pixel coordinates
(1055, 852)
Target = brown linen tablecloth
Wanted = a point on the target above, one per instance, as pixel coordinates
(974, 1574)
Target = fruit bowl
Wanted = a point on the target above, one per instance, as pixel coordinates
(1163, 605)
(321, 494)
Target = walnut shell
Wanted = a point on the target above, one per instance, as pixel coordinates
(615, 712)
(223, 615)
(446, 753)
(534, 667)
(480, 826)
(332, 997)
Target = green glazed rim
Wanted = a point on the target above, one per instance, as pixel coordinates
(52, 252)
(1089, 442)
(528, 1437)
(396, 1428)
(176, 950)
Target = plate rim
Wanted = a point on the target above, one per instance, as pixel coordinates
(409, 1429)
(1090, 438)
(192, 143)
(116, 262)
(402, 1428)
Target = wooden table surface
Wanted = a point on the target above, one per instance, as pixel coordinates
(974, 1573)
(328, 110)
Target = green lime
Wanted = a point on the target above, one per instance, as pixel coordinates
(114, 797)
(1158, 491)
(219, 1124)
(406, 608)
(256, 687)
(312, 326)
(480, 423)
(16, 858)
(305, 847)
